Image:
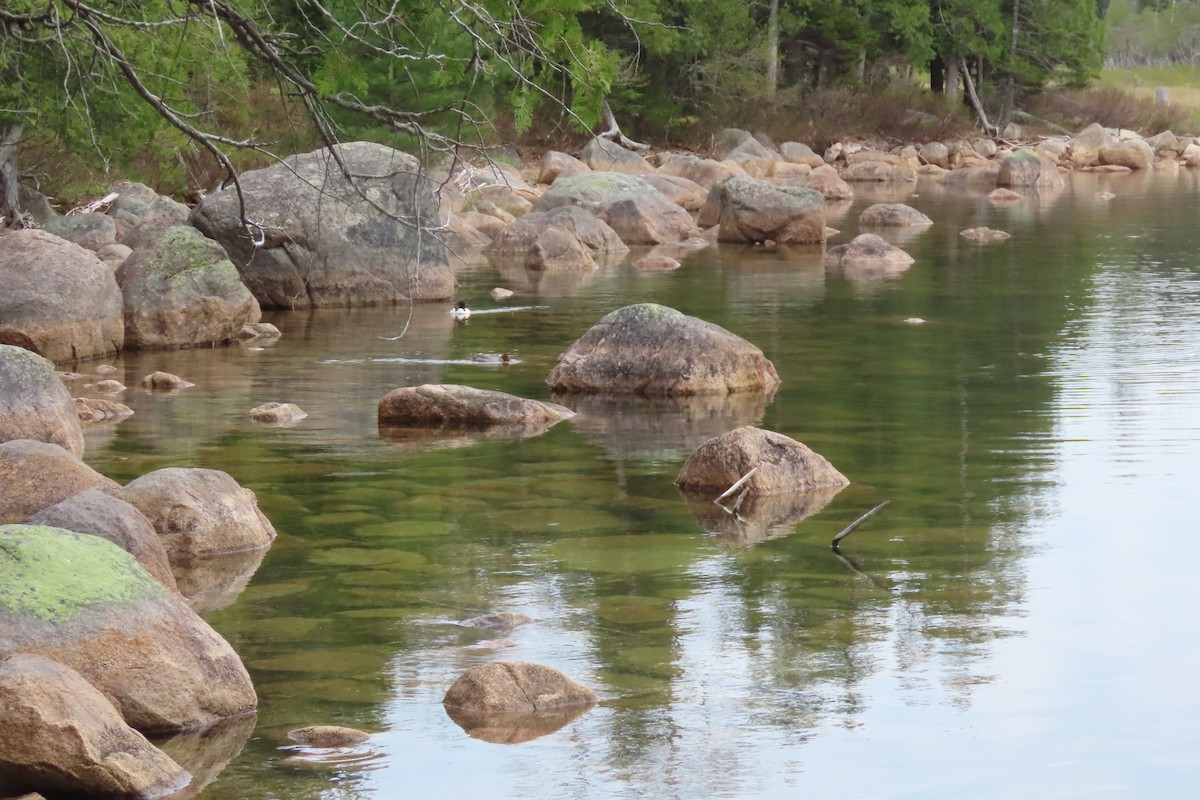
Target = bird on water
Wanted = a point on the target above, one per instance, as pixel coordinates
(460, 310)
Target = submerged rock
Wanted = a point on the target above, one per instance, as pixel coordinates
(499, 621)
(515, 687)
(867, 254)
(94, 410)
(165, 381)
(649, 349)
(277, 413)
(985, 234)
(453, 406)
(328, 736)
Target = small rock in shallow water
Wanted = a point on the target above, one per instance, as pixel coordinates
(165, 380)
(277, 412)
(1005, 196)
(95, 410)
(105, 369)
(985, 234)
(501, 294)
(110, 386)
(328, 736)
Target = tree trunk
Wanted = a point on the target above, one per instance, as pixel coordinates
(1008, 82)
(937, 75)
(978, 106)
(772, 51)
(10, 212)
(952, 78)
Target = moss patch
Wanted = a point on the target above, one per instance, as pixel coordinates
(23, 373)
(55, 575)
(644, 312)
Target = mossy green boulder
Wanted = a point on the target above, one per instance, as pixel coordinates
(181, 290)
(86, 603)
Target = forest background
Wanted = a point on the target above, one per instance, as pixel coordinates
(183, 94)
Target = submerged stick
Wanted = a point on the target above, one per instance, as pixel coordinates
(849, 529)
(736, 486)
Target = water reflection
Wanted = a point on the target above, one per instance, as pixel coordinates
(757, 519)
(977, 633)
(660, 428)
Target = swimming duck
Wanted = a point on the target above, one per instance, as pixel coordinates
(460, 310)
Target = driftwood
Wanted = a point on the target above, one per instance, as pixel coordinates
(613, 131)
(740, 482)
(849, 529)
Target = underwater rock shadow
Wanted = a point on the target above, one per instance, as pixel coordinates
(513, 728)
(757, 519)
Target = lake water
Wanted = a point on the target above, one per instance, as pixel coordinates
(1019, 621)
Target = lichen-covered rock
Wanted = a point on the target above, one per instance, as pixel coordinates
(36, 475)
(87, 604)
(98, 512)
(649, 349)
(322, 245)
(603, 155)
(59, 300)
(199, 512)
(60, 734)
(753, 157)
(1027, 168)
(891, 215)
(755, 211)
(823, 179)
(780, 464)
(679, 190)
(452, 406)
(160, 214)
(867, 254)
(515, 687)
(634, 209)
(181, 290)
(34, 403)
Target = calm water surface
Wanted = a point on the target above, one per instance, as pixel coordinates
(1018, 622)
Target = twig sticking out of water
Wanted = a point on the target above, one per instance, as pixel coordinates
(849, 529)
(736, 486)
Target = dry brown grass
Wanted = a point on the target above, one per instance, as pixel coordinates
(1115, 108)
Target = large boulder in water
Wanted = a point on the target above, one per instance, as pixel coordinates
(325, 242)
(199, 512)
(639, 213)
(649, 349)
(533, 237)
(61, 735)
(59, 300)
(181, 290)
(451, 406)
(34, 403)
(101, 513)
(36, 475)
(87, 604)
(754, 211)
(780, 464)
(891, 215)
(867, 255)
(1026, 168)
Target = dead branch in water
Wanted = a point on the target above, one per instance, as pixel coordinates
(849, 529)
(740, 481)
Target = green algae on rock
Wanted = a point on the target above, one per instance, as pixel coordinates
(56, 575)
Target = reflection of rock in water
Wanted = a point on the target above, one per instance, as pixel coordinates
(513, 728)
(757, 519)
(418, 439)
(206, 752)
(551, 283)
(660, 428)
(213, 583)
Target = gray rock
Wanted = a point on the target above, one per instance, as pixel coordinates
(34, 403)
(89, 231)
(59, 300)
(322, 244)
(603, 155)
(452, 406)
(633, 208)
(654, 350)
(1025, 168)
(755, 211)
(891, 215)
